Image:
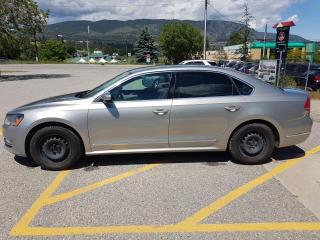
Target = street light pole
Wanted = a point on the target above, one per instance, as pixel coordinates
(265, 42)
(88, 43)
(205, 30)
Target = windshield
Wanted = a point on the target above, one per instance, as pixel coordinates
(105, 85)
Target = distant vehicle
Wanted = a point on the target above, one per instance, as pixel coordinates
(298, 70)
(161, 109)
(199, 62)
(222, 63)
(245, 68)
(4, 59)
(313, 80)
(230, 64)
(254, 69)
(238, 65)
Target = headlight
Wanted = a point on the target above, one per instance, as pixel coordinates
(13, 120)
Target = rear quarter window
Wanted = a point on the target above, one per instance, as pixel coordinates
(244, 89)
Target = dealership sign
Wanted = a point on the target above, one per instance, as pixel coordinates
(282, 40)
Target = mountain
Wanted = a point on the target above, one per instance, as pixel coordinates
(119, 31)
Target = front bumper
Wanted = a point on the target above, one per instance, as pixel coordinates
(14, 140)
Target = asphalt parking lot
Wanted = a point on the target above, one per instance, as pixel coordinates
(152, 196)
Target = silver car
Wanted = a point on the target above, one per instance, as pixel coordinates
(162, 109)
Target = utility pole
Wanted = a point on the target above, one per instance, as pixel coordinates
(265, 42)
(205, 30)
(88, 43)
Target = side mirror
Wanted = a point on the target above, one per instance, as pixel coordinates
(106, 97)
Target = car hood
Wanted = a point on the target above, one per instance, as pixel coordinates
(66, 99)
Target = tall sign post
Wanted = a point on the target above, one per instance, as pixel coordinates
(282, 40)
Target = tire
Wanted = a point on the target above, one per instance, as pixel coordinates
(55, 148)
(252, 144)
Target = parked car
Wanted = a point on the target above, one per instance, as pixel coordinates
(222, 63)
(313, 80)
(254, 69)
(230, 64)
(161, 109)
(238, 65)
(245, 68)
(199, 62)
(298, 70)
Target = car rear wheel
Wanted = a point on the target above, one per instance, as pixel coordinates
(252, 144)
(55, 148)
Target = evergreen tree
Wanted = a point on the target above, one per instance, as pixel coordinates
(145, 45)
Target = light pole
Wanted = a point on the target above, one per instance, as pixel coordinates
(205, 30)
(88, 43)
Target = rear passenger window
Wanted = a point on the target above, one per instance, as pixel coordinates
(243, 88)
(204, 84)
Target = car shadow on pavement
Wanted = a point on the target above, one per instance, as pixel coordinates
(25, 161)
(288, 153)
(90, 163)
(6, 78)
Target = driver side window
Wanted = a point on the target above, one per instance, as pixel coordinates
(146, 87)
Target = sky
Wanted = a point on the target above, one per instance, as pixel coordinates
(305, 13)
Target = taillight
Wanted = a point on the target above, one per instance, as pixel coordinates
(316, 78)
(307, 105)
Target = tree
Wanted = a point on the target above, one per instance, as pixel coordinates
(317, 56)
(180, 41)
(53, 50)
(20, 19)
(245, 32)
(145, 45)
(235, 39)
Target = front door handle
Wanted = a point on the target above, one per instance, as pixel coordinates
(232, 108)
(160, 112)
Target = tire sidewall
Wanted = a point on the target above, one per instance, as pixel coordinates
(75, 149)
(264, 156)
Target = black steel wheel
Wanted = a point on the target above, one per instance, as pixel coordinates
(252, 144)
(55, 148)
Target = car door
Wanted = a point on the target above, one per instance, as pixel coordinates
(205, 104)
(137, 117)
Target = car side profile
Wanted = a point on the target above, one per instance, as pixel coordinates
(161, 109)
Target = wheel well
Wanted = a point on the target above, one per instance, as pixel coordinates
(47, 124)
(270, 125)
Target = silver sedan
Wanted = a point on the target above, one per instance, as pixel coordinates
(162, 109)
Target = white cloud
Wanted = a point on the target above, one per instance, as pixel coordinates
(264, 11)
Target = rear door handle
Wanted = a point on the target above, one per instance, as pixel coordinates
(232, 108)
(160, 112)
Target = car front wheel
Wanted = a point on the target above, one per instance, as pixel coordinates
(252, 144)
(55, 148)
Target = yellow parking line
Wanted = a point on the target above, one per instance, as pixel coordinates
(1, 132)
(67, 195)
(45, 198)
(233, 195)
(38, 204)
(190, 224)
(141, 229)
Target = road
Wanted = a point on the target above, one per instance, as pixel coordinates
(152, 196)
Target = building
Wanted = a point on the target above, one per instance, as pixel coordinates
(255, 50)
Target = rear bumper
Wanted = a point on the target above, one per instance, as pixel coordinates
(296, 131)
